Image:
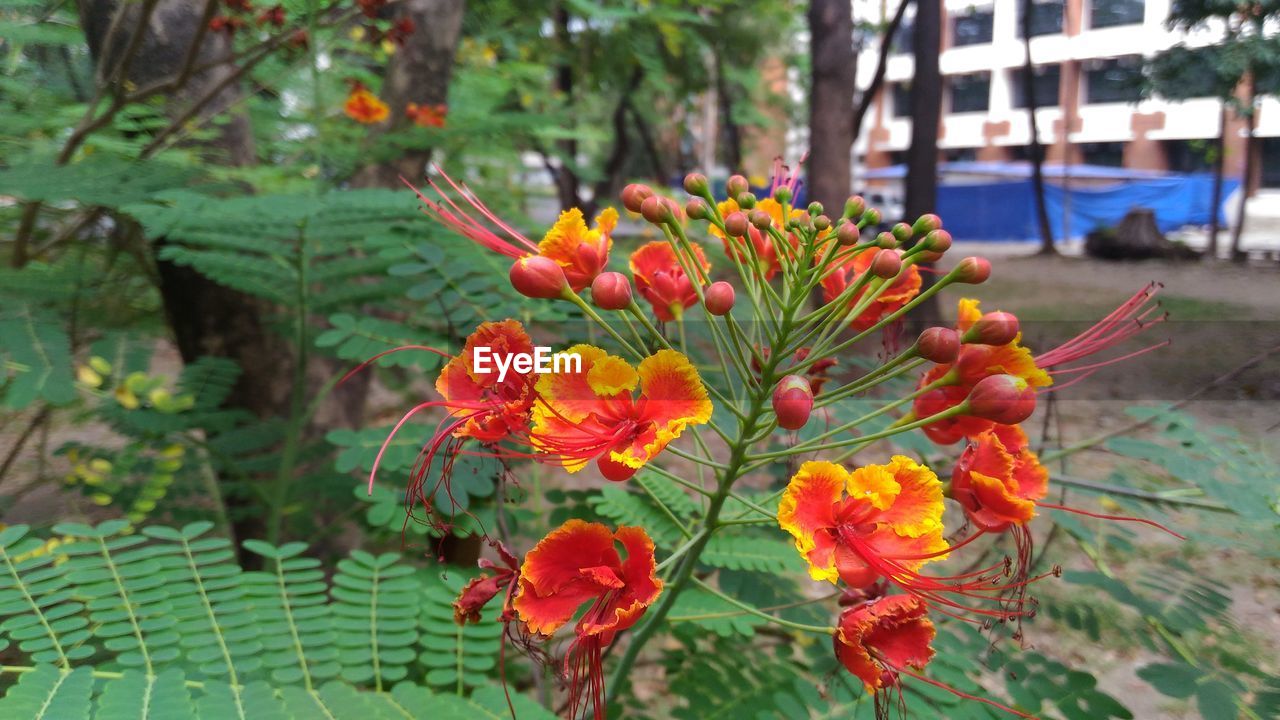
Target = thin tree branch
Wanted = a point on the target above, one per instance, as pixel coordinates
(882, 61)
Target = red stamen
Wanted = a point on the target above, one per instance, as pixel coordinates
(1122, 518)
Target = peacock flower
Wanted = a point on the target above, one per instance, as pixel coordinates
(998, 479)
(427, 115)
(849, 272)
(766, 255)
(580, 252)
(481, 406)
(579, 564)
(365, 107)
(879, 639)
(661, 279)
(591, 412)
(485, 587)
(884, 522)
(951, 382)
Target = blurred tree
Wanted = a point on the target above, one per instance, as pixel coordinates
(1037, 150)
(834, 71)
(926, 115)
(1238, 70)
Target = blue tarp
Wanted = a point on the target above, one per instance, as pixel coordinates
(1006, 210)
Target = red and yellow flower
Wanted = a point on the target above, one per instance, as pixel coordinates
(902, 290)
(661, 279)
(427, 115)
(766, 254)
(592, 413)
(365, 107)
(877, 521)
(879, 639)
(998, 479)
(576, 564)
(582, 253)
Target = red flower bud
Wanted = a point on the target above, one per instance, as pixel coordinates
(611, 291)
(634, 194)
(695, 184)
(719, 298)
(736, 185)
(696, 209)
(746, 200)
(736, 224)
(886, 264)
(939, 344)
(926, 224)
(886, 240)
(538, 277)
(972, 270)
(901, 232)
(854, 206)
(1005, 399)
(760, 219)
(656, 210)
(848, 233)
(792, 402)
(993, 328)
(938, 241)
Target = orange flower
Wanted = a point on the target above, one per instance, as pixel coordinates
(576, 564)
(365, 107)
(998, 479)
(762, 242)
(591, 412)
(582, 253)
(879, 639)
(879, 520)
(661, 280)
(901, 291)
(427, 115)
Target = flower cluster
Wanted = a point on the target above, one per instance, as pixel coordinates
(881, 531)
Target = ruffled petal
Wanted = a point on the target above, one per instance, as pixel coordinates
(641, 586)
(807, 511)
(883, 637)
(562, 240)
(552, 582)
(569, 394)
(918, 506)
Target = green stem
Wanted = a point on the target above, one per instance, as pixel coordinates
(744, 607)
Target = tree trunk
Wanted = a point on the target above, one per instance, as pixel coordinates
(206, 318)
(732, 132)
(1219, 151)
(926, 113)
(834, 79)
(567, 184)
(1251, 122)
(420, 73)
(1037, 151)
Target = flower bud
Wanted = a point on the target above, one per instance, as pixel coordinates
(792, 402)
(782, 194)
(736, 185)
(886, 240)
(822, 222)
(611, 291)
(902, 233)
(928, 256)
(719, 298)
(736, 223)
(972, 270)
(696, 209)
(848, 233)
(1005, 399)
(938, 241)
(854, 206)
(761, 219)
(696, 184)
(634, 194)
(993, 328)
(926, 224)
(939, 344)
(746, 200)
(538, 277)
(815, 208)
(871, 216)
(886, 264)
(656, 211)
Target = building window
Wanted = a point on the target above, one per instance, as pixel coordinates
(1270, 161)
(1188, 156)
(1110, 13)
(1110, 154)
(1045, 80)
(901, 93)
(972, 27)
(1117, 80)
(902, 39)
(961, 155)
(970, 93)
(1046, 18)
